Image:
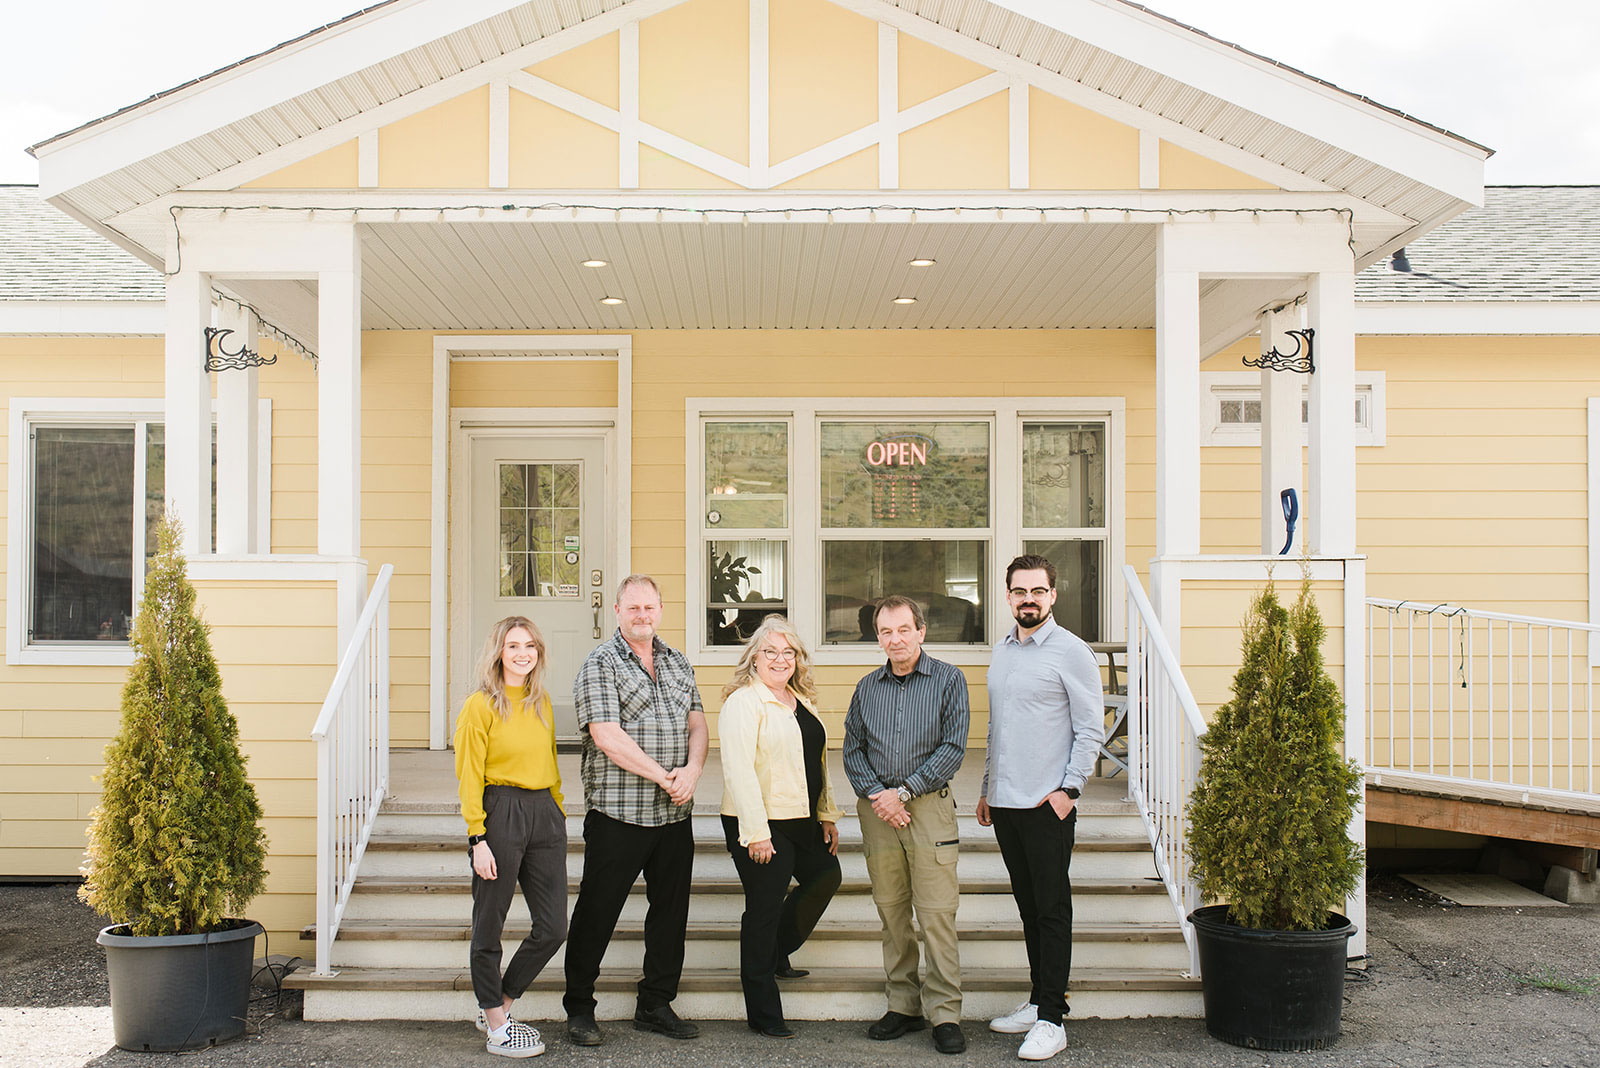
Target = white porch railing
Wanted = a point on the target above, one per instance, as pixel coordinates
(1164, 730)
(1480, 695)
(352, 736)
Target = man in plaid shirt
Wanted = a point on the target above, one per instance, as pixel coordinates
(644, 746)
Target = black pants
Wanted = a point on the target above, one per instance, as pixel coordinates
(777, 921)
(527, 834)
(614, 855)
(1037, 849)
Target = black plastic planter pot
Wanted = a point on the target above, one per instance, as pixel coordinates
(1273, 990)
(176, 992)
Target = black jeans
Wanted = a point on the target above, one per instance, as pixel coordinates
(777, 921)
(614, 855)
(1037, 849)
(527, 834)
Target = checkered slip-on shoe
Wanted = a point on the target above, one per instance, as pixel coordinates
(518, 1040)
(482, 1022)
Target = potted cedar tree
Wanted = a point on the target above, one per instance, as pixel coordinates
(176, 850)
(1269, 837)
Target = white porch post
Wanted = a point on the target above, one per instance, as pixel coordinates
(1331, 508)
(339, 414)
(238, 425)
(1177, 426)
(188, 408)
(1280, 433)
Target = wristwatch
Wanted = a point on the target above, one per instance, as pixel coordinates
(474, 839)
(1072, 792)
(905, 795)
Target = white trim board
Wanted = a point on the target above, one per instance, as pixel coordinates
(449, 348)
(1477, 317)
(147, 318)
(1593, 485)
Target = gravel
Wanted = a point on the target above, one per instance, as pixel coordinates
(1447, 986)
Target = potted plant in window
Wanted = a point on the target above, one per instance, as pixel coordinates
(1269, 837)
(176, 850)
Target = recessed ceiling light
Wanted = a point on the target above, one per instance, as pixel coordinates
(904, 300)
(594, 263)
(611, 300)
(922, 261)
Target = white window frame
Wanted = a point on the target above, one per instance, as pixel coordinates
(25, 414)
(805, 535)
(1218, 386)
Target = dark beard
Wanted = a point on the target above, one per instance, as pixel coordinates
(1031, 616)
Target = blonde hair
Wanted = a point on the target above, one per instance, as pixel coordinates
(491, 672)
(744, 673)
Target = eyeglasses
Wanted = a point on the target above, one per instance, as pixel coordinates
(1038, 593)
(778, 654)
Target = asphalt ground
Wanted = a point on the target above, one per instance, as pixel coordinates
(1446, 985)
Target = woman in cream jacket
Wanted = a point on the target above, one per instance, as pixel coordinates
(777, 812)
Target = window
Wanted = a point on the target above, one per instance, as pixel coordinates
(819, 508)
(85, 498)
(1230, 407)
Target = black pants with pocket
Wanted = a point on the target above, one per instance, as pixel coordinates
(1037, 848)
(527, 833)
(777, 920)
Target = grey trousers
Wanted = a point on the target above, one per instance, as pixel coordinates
(527, 834)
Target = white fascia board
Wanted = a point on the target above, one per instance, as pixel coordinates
(1320, 111)
(83, 317)
(1477, 317)
(215, 101)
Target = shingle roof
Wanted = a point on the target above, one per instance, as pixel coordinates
(1527, 242)
(45, 255)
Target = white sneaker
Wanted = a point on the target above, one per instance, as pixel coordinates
(1044, 1041)
(1017, 1021)
(517, 1040)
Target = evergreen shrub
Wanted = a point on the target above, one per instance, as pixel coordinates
(1269, 818)
(175, 845)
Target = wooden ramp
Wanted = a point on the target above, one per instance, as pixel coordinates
(1471, 806)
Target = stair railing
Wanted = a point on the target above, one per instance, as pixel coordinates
(1164, 731)
(352, 736)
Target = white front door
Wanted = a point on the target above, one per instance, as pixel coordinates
(537, 547)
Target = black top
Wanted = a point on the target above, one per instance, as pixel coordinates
(814, 741)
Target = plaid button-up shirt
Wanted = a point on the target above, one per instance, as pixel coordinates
(613, 687)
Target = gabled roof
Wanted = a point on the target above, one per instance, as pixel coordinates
(45, 256)
(1527, 243)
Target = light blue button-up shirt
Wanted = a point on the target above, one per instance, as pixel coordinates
(1046, 716)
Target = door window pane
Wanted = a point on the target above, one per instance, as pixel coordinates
(882, 475)
(83, 533)
(541, 535)
(1063, 474)
(1079, 565)
(944, 577)
(747, 574)
(747, 475)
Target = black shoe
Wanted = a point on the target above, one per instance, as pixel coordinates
(663, 1021)
(777, 1030)
(785, 970)
(894, 1024)
(948, 1038)
(583, 1031)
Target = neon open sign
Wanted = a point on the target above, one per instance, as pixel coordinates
(902, 450)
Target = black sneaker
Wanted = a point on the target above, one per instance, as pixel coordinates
(663, 1021)
(894, 1024)
(583, 1031)
(948, 1038)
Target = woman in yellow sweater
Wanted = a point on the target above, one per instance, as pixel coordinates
(516, 830)
(777, 812)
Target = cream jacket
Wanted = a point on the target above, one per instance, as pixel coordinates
(763, 764)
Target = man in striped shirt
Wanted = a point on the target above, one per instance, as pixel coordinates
(905, 737)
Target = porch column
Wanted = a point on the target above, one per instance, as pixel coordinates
(1331, 508)
(1177, 423)
(1280, 434)
(339, 398)
(238, 435)
(188, 407)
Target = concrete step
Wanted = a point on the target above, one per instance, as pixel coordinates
(833, 993)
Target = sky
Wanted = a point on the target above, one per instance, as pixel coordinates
(1519, 76)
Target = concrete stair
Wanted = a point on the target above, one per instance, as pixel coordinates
(402, 949)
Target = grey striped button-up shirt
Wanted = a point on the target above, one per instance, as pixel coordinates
(909, 731)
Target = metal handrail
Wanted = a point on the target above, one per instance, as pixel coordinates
(1164, 732)
(352, 736)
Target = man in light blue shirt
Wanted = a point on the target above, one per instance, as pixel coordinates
(1046, 723)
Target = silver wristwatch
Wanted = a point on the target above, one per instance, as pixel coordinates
(905, 795)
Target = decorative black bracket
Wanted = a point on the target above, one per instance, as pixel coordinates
(220, 359)
(1298, 361)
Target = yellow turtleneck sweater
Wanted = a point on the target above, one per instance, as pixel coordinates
(517, 751)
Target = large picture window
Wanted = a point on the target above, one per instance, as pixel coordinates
(816, 509)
